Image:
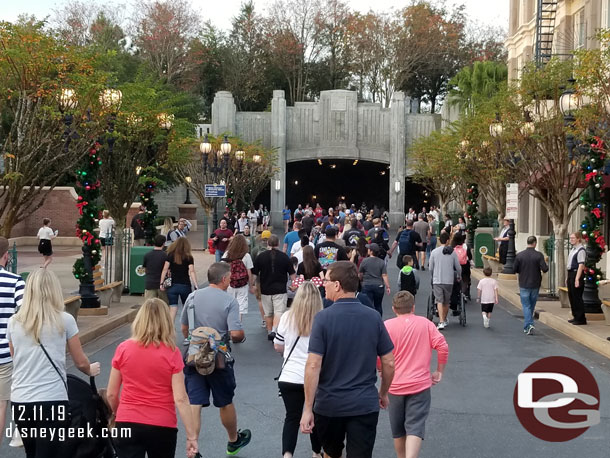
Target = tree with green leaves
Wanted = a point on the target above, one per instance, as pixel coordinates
(49, 103)
(477, 83)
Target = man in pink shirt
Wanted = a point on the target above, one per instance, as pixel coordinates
(414, 337)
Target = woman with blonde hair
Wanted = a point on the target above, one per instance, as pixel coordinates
(180, 268)
(148, 367)
(292, 339)
(168, 226)
(242, 280)
(37, 336)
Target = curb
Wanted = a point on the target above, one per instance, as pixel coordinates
(110, 324)
(577, 333)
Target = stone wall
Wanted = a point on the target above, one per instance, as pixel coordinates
(253, 127)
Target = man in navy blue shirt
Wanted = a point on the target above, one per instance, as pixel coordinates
(346, 400)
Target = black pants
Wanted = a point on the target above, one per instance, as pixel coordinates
(360, 431)
(293, 395)
(146, 440)
(502, 252)
(35, 419)
(575, 295)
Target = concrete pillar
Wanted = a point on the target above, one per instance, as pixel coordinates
(223, 113)
(399, 106)
(278, 141)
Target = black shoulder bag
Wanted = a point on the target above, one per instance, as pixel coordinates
(54, 367)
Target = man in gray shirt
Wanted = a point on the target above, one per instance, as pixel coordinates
(422, 228)
(215, 308)
(446, 270)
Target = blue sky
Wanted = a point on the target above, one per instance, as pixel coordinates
(223, 11)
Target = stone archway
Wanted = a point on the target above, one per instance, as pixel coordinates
(338, 127)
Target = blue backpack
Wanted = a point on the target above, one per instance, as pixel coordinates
(404, 242)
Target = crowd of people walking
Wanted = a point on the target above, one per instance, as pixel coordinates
(319, 290)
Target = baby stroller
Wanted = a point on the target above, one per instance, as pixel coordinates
(87, 408)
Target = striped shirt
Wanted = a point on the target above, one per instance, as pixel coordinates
(11, 296)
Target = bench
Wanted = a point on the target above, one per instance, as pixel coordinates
(606, 310)
(492, 262)
(72, 305)
(110, 293)
(564, 298)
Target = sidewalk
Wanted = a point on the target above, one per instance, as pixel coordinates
(119, 313)
(594, 335)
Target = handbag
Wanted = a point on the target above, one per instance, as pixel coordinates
(167, 283)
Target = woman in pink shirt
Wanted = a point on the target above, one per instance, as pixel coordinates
(414, 337)
(149, 368)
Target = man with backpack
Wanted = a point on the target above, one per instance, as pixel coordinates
(213, 307)
(407, 242)
(377, 234)
(180, 231)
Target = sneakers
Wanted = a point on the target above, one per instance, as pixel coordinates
(243, 439)
(529, 330)
(441, 325)
(264, 324)
(485, 320)
(271, 335)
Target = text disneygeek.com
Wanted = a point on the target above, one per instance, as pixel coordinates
(61, 434)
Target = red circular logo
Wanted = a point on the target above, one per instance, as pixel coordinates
(556, 399)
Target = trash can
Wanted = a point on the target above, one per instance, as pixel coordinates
(483, 244)
(137, 275)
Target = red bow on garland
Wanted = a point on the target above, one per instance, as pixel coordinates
(599, 144)
(601, 242)
(597, 212)
(590, 176)
(80, 206)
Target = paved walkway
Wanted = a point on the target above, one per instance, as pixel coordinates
(472, 412)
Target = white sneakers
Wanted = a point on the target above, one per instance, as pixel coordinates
(485, 320)
(442, 325)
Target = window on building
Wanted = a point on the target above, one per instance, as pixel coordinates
(580, 29)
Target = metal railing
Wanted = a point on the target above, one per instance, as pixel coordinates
(11, 263)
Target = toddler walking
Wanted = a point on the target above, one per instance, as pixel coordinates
(487, 294)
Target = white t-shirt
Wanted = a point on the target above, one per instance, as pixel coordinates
(247, 260)
(34, 378)
(488, 287)
(294, 370)
(242, 223)
(45, 233)
(106, 226)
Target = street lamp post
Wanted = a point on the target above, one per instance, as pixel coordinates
(221, 164)
(188, 190)
(569, 102)
(495, 130)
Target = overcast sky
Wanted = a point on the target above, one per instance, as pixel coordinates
(492, 12)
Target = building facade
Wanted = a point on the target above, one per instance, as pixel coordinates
(576, 23)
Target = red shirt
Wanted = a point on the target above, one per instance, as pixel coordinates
(222, 234)
(414, 337)
(147, 395)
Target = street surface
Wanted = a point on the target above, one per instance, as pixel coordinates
(472, 408)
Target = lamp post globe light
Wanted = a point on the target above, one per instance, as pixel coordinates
(221, 165)
(496, 130)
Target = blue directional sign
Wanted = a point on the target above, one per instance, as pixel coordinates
(215, 190)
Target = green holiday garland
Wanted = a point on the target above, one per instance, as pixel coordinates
(87, 187)
(148, 219)
(591, 202)
(472, 209)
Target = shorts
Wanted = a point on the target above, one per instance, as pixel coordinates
(274, 304)
(221, 383)
(156, 293)
(360, 430)
(106, 241)
(408, 414)
(6, 371)
(241, 295)
(423, 247)
(487, 308)
(45, 247)
(442, 293)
